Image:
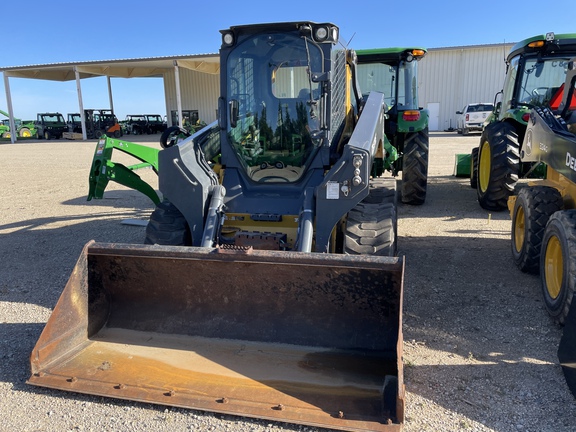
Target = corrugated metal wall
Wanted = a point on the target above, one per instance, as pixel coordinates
(199, 91)
(449, 78)
(454, 77)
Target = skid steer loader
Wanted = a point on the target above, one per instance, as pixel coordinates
(544, 213)
(268, 286)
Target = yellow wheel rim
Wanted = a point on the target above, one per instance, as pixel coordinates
(26, 134)
(519, 227)
(553, 267)
(484, 166)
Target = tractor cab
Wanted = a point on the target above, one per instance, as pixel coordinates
(536, 70)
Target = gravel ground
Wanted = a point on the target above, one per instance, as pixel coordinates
(480, 350)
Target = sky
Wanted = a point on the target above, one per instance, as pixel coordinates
(56, 32)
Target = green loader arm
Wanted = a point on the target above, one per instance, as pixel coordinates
(103, 169)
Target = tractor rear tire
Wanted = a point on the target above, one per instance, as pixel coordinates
(415, 168)
(371, 227)
(47, 135)
(558, 264)
(474, 168)
(498, 165)
(533, 208)
(167, 226)
(24, 133)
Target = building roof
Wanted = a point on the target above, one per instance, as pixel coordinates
(124, 68)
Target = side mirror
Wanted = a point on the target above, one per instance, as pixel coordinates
(458, 112)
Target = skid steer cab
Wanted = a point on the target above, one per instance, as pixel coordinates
(269, 284)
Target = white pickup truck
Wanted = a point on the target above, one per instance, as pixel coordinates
(472, 117)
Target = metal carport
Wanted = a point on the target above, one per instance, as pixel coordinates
(125, 68)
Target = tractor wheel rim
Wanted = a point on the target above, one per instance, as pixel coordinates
(553, 267)
(484, 166)
(26, 134)
(519, 227)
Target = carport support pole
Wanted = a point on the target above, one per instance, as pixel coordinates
(10, 110)
(80, 103)
(110, 93)
(178, 96)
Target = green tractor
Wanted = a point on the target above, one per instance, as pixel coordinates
(4, 130)
(393, 71)
(24, 128)
(536, 69)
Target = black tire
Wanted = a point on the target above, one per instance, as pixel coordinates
(47, 135)
(372, 226)
(498, 165)
(474, 168)
(98, 133)
(167, 226)
(117, 134)
(533, 208)
(558, 264)
(415, 168)
(465, 131)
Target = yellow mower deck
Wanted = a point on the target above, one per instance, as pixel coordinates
(306, 338)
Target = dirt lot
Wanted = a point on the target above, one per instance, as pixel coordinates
(480, 351)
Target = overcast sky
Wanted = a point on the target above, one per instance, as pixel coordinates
(61, 31)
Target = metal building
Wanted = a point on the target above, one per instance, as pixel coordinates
(450, 78)
(199, 93)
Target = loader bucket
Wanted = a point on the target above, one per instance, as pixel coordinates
(306, 338)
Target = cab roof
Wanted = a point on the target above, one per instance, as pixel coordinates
(394, 54)
(553, 43)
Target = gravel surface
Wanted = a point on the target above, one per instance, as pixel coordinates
(479, 348)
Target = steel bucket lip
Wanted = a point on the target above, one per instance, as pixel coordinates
(293, 400)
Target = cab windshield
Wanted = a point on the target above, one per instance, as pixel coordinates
(274, 105)
(541, 80)
(397, 83)
(53, 118)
